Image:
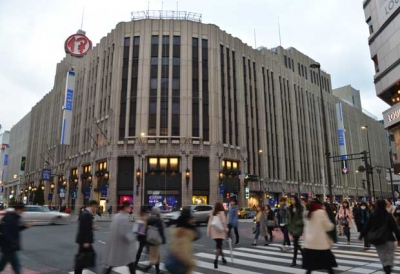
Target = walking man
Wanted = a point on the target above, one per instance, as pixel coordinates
(120, 249)
(283, 222)
(233, 222)
(10, 240)
(85, 238)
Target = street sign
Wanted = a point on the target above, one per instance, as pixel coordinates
(361, 168)
(247, 192)
(345, 169)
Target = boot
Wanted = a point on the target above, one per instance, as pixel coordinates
(158, 268)
(223, 260)
(387, 269)
(216, 263)
(147, 268)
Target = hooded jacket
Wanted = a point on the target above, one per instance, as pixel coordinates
(233, 215)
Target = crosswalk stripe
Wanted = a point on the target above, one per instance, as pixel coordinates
(85, 271)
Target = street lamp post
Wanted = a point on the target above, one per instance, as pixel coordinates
(370, 161)
(325, 128)
(391, 178)
(378, 170)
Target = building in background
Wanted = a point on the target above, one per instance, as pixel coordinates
(382, 17)
(18, 149)
(4, 159)
(349, 95)
(169, 111)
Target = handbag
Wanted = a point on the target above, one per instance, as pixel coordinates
(217, 224)
(271, 223)
(378, 236)
(344, 222)
(173, 265)
(153, 236)
(86, 259)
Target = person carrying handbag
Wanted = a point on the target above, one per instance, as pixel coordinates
(346, 219)
(217, 230)
(380, 230)
(155, 237)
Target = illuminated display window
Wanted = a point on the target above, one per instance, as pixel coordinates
(197, 200)
(163, 164)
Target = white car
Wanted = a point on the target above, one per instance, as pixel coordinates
(201, 214)
(41, 215)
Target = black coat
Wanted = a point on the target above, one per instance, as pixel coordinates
(376, 221)
(11, 228)
(157, 222)
(85, 230)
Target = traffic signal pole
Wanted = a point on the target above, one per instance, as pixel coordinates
(365, 159)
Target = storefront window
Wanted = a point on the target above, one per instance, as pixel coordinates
(165, 202)
(173, 162)
(125, 198)
(197, 200)
(153, 163)
(235, 165)
(163, 163)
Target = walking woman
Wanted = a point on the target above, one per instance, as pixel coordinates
(346, 219)
(217, 229)
(261, 226)
(182, 238)
(155, 221)
(365, 214)
(271, 221)
(380, 229)
(140, 231)
(333, 233)
(317, 254)
(295, 224)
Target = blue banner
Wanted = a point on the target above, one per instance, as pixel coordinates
(341, 137)
(221, 190)
(5, 160)
(137, 190)
(46, 174)
(69, 99)
(50, 197)
(104, 192)
(87, 193)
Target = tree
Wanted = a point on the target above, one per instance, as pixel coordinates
(39, 197)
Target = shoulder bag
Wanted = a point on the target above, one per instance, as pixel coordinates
(380, 235)
(153, 236)
(217, 223)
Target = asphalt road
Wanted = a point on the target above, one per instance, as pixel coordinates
(51, 249)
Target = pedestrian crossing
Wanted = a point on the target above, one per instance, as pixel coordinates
(352, 259)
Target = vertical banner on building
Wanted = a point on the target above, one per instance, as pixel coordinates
(67, 109)
(342, 138)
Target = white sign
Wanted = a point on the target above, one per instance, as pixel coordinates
(392, 115)
(385, 9)
(67, 109)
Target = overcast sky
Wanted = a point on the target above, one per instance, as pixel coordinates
(32, 35)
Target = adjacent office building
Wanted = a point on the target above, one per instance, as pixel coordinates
(382, 17)
(170, 111)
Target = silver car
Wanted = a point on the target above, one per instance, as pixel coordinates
(201, 214)
(41, 215)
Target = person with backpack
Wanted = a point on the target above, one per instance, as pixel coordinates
(380, 230)
(295, 224)
(120, 248)
(217, 229)
(346, 219)
(155, 237)
(11, 239)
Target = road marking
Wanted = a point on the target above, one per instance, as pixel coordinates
(197, 245)
(102, 242)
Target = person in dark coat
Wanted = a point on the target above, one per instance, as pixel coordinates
(295, 224)
(155, 220)
(365, 214)
(85, 235)
(11, 239)
(382, 218)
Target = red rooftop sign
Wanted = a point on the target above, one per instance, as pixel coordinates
(78, 45)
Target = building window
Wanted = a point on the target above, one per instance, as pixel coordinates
(222, 61)
(102, 165)
(124, 87)
(134, 82)
(195, 88)
(164, 86)
(376, 63)
(230, 125)
(176, 74)
(289, 63)
(163, 164)
(298, 66)
(285, 58)
(205, 91)
(370, 26)
(152, 128)
(235, 101)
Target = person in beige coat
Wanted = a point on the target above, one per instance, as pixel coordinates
(217, 229)
(182, 238)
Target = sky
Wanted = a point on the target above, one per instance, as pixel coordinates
(32, 35)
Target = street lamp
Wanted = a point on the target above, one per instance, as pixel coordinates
(325, 127)
(370, 161)
(187, 177)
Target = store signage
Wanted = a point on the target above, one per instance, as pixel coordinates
(67, 109)
(50, 197)
(104, 192)
(385, 9)
(391, 116)
(46, 174)
(221, 190)
(341, 131)
(78, 45)
(5, 160)
(87, 193)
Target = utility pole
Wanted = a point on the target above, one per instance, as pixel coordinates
(365, 159)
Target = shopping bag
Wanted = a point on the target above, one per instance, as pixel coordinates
(86, 259)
